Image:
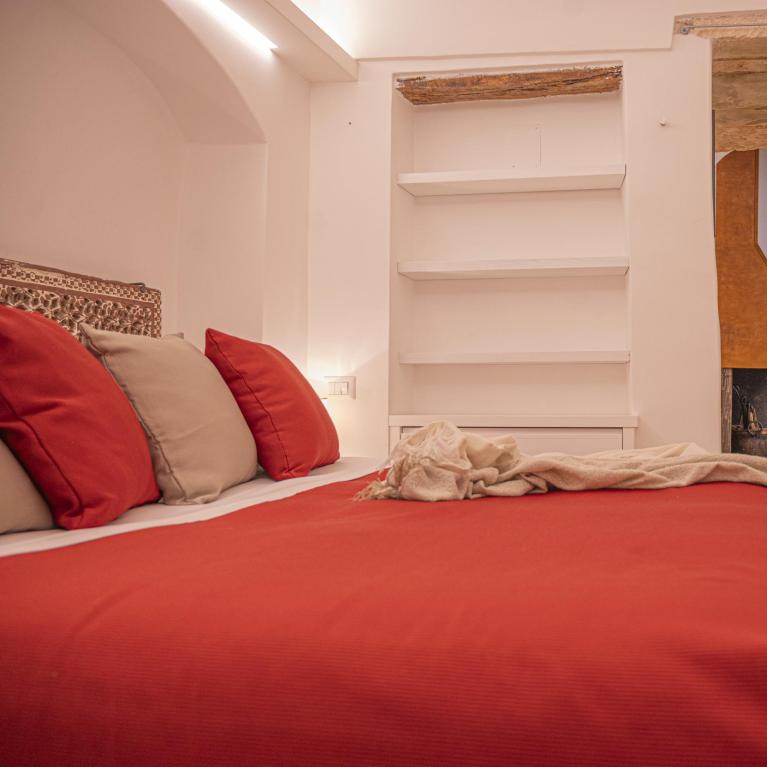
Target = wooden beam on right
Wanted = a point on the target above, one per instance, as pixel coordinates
(740, 129)
(724, 24)
(740, 56)
(511, 85)
(740, 90)
(740, 93)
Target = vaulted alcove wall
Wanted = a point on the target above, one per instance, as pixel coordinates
(143, 142)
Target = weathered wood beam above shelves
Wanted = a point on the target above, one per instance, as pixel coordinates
(511, 85)
(734, 24)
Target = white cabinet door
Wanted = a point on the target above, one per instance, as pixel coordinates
(533, 441)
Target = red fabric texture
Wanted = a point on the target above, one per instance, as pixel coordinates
(588, 629)
(293, 431)
(69, 424)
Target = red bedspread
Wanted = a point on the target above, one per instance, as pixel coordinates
(602, 628)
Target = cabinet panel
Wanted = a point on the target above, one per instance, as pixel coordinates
(534, 441)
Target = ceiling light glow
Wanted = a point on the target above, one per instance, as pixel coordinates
(235, 24)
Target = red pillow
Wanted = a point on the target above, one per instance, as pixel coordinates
(70, 424)
(292, 429)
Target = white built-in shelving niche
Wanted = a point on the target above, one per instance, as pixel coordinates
(509, 266)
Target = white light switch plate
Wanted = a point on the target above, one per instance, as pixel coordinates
(342, 386)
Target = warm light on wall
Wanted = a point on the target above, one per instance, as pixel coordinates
(235, 24)
(320, 386)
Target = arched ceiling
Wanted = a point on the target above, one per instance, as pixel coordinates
(205, 102)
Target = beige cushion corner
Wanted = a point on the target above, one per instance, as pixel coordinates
(21, 505)
(199, 440)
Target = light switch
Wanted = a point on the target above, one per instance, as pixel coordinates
(338, 388)
(342, 386)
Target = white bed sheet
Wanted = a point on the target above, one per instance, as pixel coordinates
(251, 493)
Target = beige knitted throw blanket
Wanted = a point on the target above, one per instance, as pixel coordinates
(441, 463)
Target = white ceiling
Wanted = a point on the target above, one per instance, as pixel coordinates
(429, 28)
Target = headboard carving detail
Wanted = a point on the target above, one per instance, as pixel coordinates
(70, 299)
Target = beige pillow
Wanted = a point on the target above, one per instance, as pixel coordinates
(21, 505)
(199, 440)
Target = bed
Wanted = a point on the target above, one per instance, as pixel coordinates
(288, 624)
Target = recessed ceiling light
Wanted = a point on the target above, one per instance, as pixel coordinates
(238, 26)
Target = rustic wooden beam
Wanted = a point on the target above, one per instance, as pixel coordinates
(725, 49)
(740, 129)
(740, 56)
(743, 90)
(740, 263)
(734, 24)
(740, 93)
(740, 66)
(511, 85)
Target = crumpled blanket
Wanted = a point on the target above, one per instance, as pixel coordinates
(441, 463)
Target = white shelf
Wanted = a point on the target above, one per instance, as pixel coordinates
(512, 180)
(593, 357)
(548, 421)
(508, 268)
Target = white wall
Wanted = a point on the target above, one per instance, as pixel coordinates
(675, 366)
(402, 290)
(349, 251)
(221, 240)
(673, 380)
(130, 149)
(97, 177)
(91, 157)
(280, 99)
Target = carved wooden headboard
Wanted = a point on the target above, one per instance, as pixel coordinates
(70, 299)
